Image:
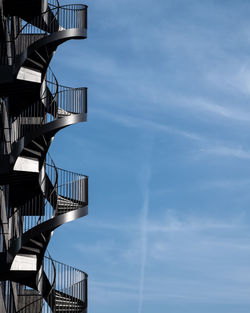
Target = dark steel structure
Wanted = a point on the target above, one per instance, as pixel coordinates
(36, 197)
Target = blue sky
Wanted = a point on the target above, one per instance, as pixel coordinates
(167, 151)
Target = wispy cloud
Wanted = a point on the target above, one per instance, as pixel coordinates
(169, 291)
(134, 122)
(168, 223)
(232, 76)
(229, 184)
(186, 82)
(230, 112)
(209, 255)
(226, 151)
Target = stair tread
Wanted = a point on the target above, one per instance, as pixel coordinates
(38, 145)
(37, 250)
(37, 243)
(34, 152)
(41, 57)
(35, 62)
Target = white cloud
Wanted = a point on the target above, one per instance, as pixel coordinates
(135, 122)
(184, 258)
(233, 76)
(226, 151)
(232, 184)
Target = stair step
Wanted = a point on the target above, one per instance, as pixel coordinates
(67, 205)
(37, 243)
(66, 202)
(29, 74)
(36, 250)
(45, 141)
(41, 57)
(35, 63)
(37, 145)
(68, 308)
(43, 237)
(61, 299)
(67, 303)
(34, 152)
(62, 113)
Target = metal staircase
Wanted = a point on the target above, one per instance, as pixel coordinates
(62, 197)
(57, 107)
(65, 290)
(38, 196)
(26, 56)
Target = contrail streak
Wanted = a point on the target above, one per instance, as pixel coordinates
(145, 208)
(144, 250)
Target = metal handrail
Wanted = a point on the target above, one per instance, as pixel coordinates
(44, 96)
(71, 191)
(50, 294)
(27, 307)
(58, 18)
(70, 283)
(55, 185)
(55, 7)
(65, 281)
(56, 101)
(62, 18)
(67, 193)
(41, 303)
(55, 4)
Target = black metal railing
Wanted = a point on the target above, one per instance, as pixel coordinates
(38, 209)
(49, 269)
(56, 101)
(62, 100)
(55, 18)
(29, 301)
(6, 52)
(61, 192)
(70, 287)
(67, 290)
(53, 4)
(32, 301)
(72, 191)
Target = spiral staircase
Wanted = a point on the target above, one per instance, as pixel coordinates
(39, 197)
(67, 291)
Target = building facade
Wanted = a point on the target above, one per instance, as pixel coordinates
(36, 197)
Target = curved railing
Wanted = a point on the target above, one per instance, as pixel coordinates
(57, 192)
(68, 290)
(72, 191)
(32, 301)
(56, 101)
(55, 18)
(61, 192)
(62, 100)
(38, 209)
(29, 300)
(48, 170)
(49, 268)
(53, 4)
